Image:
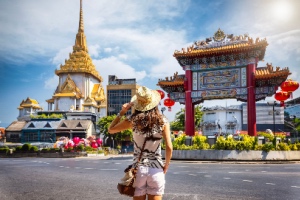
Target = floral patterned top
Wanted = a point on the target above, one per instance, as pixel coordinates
(151, 156)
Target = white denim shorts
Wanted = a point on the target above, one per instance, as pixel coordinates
(149, 181)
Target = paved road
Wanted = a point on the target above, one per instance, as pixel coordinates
(96, 178)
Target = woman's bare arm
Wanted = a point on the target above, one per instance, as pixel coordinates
(169, 147)
(117, 125)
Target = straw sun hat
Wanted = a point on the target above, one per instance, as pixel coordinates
(145, 99)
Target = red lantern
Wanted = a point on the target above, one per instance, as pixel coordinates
(162, 94)
(289, 86)
(169, 103)
(282, 96)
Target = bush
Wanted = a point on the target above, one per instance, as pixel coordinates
(26, 147)
(283, 147)
(4, 149)
(248, 143)
(34, 149)
(88, 148)
(258, 147)
(80, 147)
(293, 147)
(46, 150)
(179, 141)
(69, 149)
(54, 150)
(267, 136)
(267, 147)
(100, 151)
(200, 142)
(298, 145)
(19, 148)
(225, 143)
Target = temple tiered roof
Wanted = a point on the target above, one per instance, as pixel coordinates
(79, 60)
(68, 89)
(29, 103)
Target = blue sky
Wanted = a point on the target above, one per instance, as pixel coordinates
(130, 39)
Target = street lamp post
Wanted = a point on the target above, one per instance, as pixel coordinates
(274, 103)
(163, 109)
(237, 123)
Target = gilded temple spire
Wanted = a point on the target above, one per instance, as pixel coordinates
(80, 42)
(81, 26)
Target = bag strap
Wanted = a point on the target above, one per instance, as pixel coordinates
(139, 159)
(142, 149)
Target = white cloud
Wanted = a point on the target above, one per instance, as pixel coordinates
(123, 56)
(51, 83)
(287, 42)
(107, 50)
(114, 66)
(152, 50)
(94, 50)
(61, 55)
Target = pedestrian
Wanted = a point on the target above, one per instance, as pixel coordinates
(148, 126)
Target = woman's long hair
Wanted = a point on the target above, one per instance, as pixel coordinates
(147, 122)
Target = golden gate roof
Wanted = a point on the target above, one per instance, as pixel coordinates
(222, 43)
(269, 72)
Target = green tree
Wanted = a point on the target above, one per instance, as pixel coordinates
(103, 125)
(198, 115)
(179, 122)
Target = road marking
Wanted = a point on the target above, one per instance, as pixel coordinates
(248, 181)
(263, 171)
(295, 186)
(226, 178)
(192, 174)
(108, 169)
(235, 172)
(88, 168)
(61, 166)
(208, 176)
(117, 163)
(270, 183)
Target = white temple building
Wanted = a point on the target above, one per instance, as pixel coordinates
(80, 85)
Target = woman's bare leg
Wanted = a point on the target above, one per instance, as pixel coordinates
(154, 197)
(139, 197)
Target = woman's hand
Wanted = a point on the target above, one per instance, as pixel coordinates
(166, 167)
(125, 108)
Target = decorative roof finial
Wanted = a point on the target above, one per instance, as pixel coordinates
(81, 27)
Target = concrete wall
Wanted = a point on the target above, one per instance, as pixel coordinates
(230, 155)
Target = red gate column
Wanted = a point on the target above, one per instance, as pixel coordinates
(251, 106)
(189, 113)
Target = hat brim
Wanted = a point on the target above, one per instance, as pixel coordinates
(154, 102)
